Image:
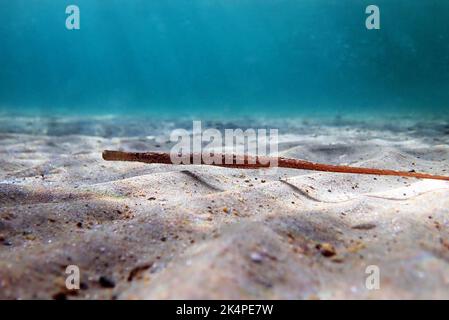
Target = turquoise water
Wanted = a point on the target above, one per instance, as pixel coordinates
(224, 57)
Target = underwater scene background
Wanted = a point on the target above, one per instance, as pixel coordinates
(336, 94)
(225, 58)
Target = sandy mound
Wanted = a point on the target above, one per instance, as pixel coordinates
(160, 231)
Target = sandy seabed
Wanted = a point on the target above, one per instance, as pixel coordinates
(140, 231)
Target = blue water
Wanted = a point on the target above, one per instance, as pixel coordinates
(224, 57)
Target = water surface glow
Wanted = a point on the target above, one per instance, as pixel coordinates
(226, 57)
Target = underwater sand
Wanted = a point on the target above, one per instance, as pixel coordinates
(140, 231)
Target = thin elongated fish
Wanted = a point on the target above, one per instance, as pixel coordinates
(256, 162)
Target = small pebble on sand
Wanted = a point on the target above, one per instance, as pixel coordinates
(326, 249)
(256, 257)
